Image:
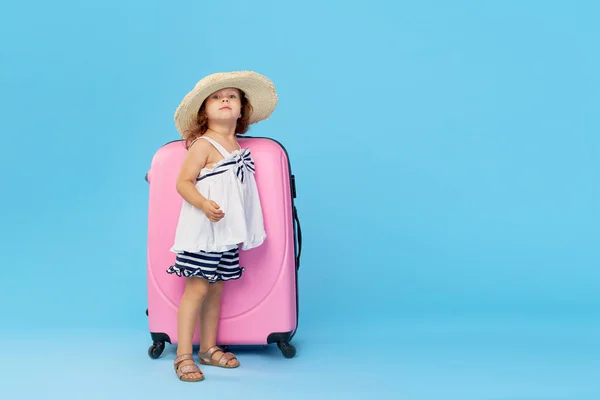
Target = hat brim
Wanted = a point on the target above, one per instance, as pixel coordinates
(259, 91)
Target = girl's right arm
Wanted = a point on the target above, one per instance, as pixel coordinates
(193, 163)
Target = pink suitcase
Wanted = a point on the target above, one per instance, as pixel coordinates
(261, 307)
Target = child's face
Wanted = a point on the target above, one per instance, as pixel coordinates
(224, 104)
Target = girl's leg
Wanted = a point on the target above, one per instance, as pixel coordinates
(209, 321)
(195, 293)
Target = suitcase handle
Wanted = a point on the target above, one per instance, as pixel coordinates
(299, 236)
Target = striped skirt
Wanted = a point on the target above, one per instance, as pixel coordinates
(210, 266)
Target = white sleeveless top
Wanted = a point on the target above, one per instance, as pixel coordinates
(231, 184)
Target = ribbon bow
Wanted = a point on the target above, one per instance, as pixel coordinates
(244, 162)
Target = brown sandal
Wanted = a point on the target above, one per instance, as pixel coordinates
(206, 358)
(182, 371)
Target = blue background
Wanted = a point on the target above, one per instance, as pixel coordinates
(446, 158)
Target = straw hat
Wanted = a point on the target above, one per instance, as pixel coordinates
(259, 91)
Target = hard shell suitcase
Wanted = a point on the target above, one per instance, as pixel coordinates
(261, 307)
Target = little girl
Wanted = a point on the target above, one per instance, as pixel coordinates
(221, 208)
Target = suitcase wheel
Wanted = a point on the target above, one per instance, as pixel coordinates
(156, 349)
(287, 349)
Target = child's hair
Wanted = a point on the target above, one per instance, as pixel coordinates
(202, 121)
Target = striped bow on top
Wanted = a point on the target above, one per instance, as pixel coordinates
(242, 162)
